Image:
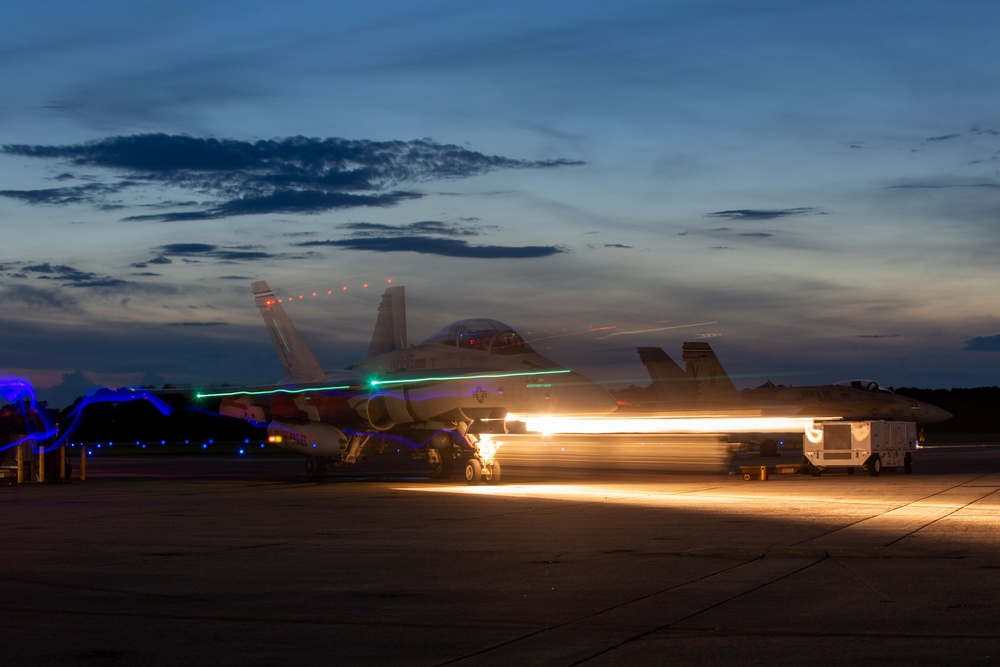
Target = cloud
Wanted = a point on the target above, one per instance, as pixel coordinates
(361, 229)
(207, 251)
(39, 297)
(95, 194)
(432, 246)
(285, 201)
(983, 344)
(69, 276)
(197, 324)
(759, 214)
(941, 186)
(943, 137)
(290, 175)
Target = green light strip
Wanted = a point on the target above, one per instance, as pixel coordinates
(380, 383)
(273, 391)
(445, 378)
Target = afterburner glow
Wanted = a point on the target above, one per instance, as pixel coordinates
(664, 424)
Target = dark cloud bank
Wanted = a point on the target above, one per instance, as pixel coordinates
(983, 344)
(290, 175)
(759, 214)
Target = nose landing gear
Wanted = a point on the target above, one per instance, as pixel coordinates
(476, 471)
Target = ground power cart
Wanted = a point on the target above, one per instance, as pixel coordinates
(870, 445)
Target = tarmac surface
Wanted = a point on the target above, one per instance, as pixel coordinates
(198, 560)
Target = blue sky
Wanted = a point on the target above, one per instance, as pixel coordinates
(819, 181)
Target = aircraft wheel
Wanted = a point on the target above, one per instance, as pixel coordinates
(908, 464)
(494, 473)
(874, 465)
(473, 472)
(445, 467)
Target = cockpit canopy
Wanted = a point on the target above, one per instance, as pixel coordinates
(481, 334)
(865, 385)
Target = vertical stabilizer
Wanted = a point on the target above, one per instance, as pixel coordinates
(299, 363)
(711, 381)
(390, 327)
(670, 382)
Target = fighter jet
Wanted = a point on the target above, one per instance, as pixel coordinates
(704, 383)
(440, 399)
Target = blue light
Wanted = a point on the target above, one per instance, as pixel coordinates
(241, 452)
(204, 446)
(35, 421)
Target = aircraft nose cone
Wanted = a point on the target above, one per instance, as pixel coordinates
(927, 414)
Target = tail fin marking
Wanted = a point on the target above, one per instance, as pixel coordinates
(296, 359)
(710, 378)
(670, 382)
(390, 327)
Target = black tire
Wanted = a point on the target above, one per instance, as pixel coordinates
(874, 465)
(850, 471)
(494, 473)
(445, 468)
(814, 471)
(908, 464)
(473, 472)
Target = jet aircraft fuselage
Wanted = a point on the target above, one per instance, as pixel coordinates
(440, 399)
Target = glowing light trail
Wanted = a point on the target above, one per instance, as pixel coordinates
(278, 390)
(445, 378)
(641, 331)
(665, 424)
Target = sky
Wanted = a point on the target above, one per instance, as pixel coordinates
(813, 188)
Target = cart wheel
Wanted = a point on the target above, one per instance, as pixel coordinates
(874, 465)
